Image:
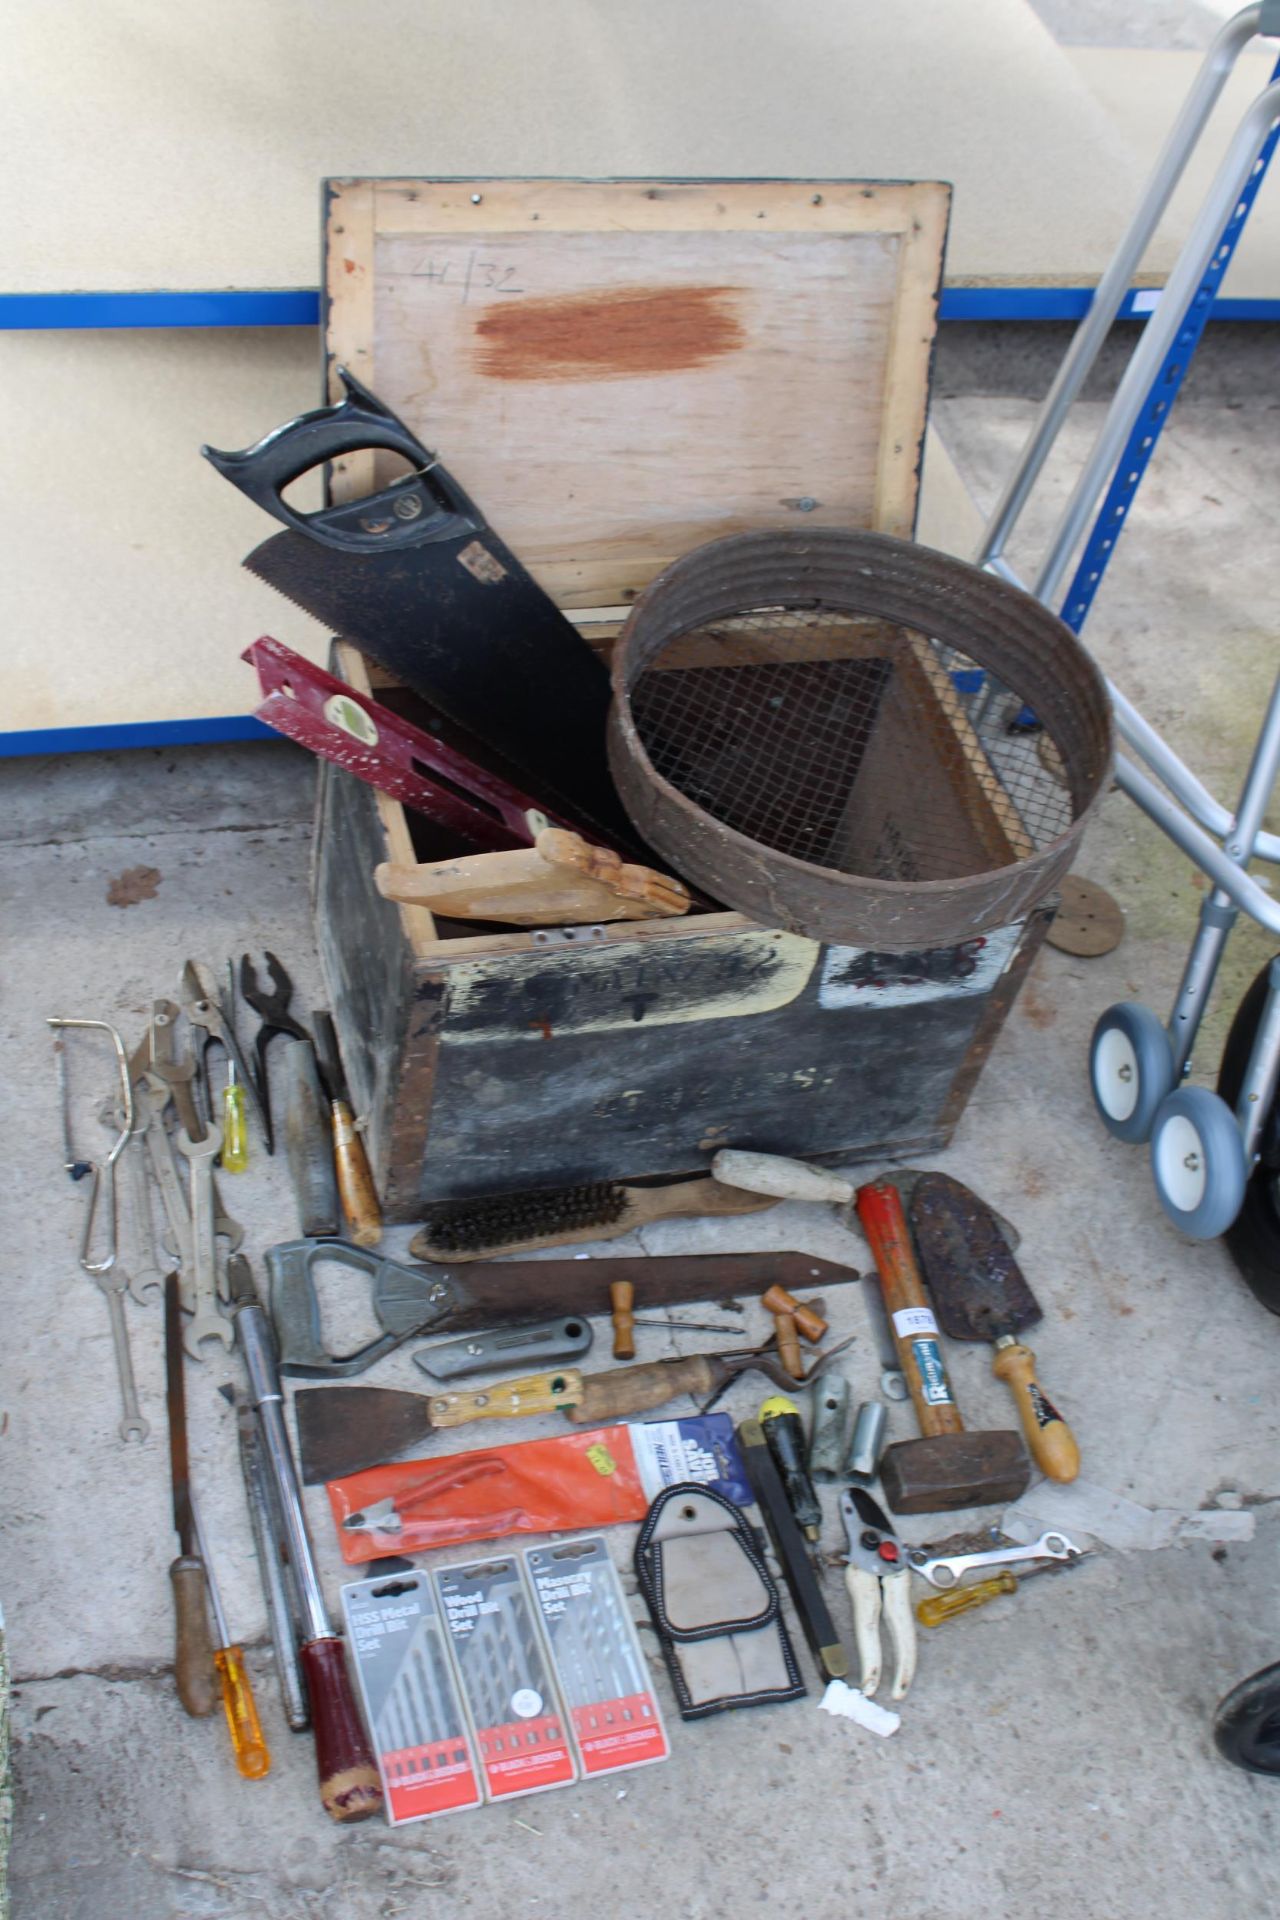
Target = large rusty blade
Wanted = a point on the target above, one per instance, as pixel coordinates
(978, 1287)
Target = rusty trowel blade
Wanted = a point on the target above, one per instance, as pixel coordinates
(343, 1430)
(977, 1285)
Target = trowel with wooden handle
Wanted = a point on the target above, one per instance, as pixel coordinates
(979, 1293)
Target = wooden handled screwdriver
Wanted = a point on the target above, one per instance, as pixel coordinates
(356, 1190)
(193, 1664)
(243, 1724)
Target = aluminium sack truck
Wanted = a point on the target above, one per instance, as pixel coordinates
(1215, 1156)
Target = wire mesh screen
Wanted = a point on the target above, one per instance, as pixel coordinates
(851, 744)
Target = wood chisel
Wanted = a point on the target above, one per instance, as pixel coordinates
(356, 1190)
(193, 1662)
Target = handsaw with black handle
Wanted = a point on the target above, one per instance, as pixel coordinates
(415, 576)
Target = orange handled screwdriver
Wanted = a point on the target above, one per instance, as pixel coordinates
(252, 1757)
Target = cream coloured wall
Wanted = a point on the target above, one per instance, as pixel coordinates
(161, 143)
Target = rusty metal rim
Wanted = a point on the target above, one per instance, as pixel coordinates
(911, 586)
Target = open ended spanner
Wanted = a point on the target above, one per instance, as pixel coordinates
(153, 1098)
(207, 1322)
(144, 1269)
(112, 1284)
(944, 1570)
(178, 1078)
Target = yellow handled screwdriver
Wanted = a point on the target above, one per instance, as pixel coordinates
(252, 1757)
(235, 1132)
(235, 1135)
(940, 1607)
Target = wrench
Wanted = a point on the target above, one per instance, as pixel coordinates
(154, 1096)
(946, 1570)
(132, 1425)
(147, 1272)
(177, 1077)
(208, 1323)
(146, 1269)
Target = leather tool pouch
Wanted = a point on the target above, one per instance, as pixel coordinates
(714, 1605)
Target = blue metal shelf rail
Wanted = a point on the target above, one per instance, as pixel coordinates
(300, 307)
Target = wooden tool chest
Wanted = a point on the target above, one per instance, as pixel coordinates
(618, 371)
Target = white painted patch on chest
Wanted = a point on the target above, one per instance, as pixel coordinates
(619, 987)
(856, 975)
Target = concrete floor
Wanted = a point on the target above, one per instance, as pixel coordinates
(1055, 1748)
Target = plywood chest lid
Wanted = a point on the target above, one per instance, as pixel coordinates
(619, 370)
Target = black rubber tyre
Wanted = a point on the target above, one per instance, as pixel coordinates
(1246, 1725)
(1254, 1238)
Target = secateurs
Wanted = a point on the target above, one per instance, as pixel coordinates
(878, 1578)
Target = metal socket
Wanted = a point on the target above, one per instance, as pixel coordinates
(863, 1461)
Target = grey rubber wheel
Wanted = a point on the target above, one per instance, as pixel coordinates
(1130, 1070)
(1197, 1161)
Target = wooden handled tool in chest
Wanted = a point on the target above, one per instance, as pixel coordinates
(620, 371)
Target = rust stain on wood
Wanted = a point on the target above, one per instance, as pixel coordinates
(607, 336)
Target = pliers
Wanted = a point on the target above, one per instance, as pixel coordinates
(274, 1011)
(878, 1578)
(203, 1006)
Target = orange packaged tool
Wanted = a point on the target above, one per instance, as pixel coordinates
(582, 1479)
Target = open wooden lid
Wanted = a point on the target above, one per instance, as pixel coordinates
(620, 370)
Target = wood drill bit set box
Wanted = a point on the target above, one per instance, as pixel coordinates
(621, 373)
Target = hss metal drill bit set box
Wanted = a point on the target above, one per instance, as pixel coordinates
(487, 1681)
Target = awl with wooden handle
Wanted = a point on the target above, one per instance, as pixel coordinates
(193, 1663)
